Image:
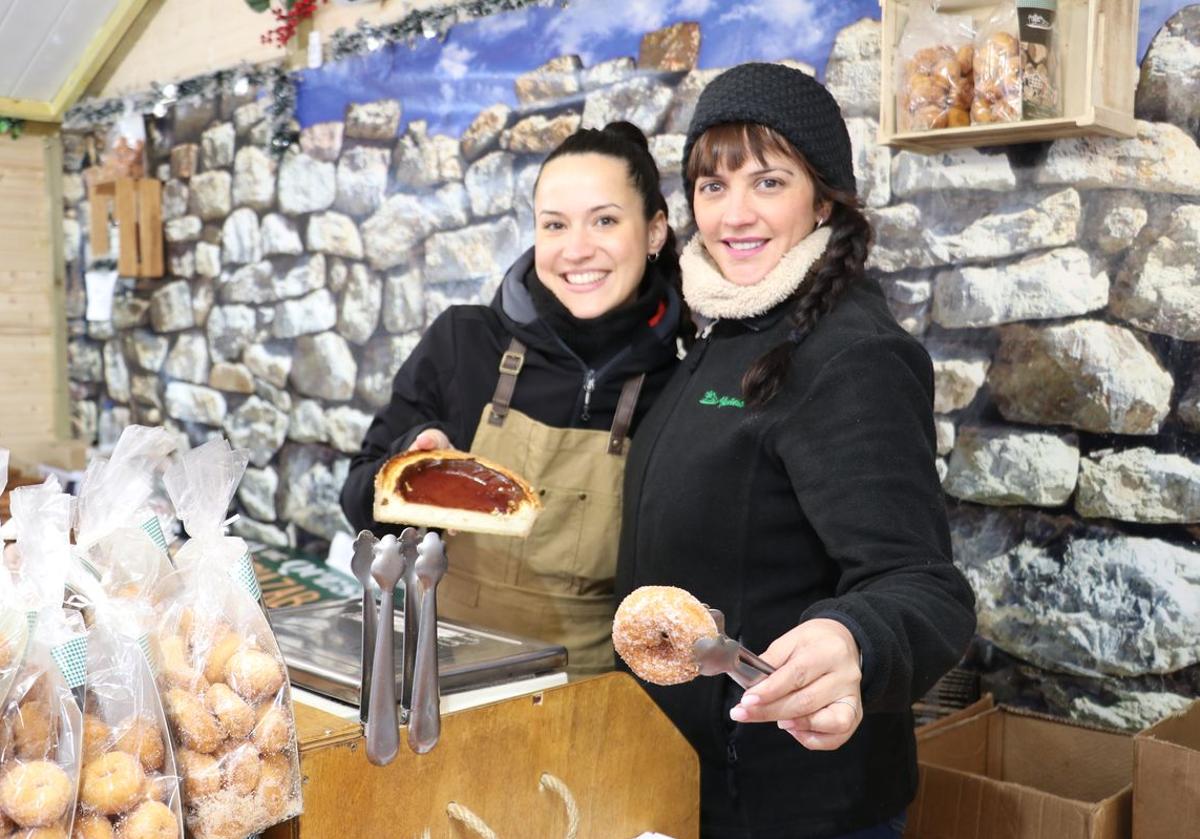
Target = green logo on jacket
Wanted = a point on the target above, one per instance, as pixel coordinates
(711, 398)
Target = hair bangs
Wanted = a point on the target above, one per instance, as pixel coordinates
(728, 146)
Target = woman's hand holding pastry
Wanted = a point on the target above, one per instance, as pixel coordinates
(430, 439)
(814, 694)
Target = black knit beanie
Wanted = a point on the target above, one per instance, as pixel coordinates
(787, 100)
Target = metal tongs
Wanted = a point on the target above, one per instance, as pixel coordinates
(419, 559)
(722, 654)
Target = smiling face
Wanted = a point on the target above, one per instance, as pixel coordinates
(592, 237)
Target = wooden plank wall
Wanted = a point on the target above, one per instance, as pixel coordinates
(33, 391)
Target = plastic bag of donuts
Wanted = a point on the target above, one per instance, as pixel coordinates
(228, 706)
(934, 71)
(40, 729)
(997, 69)
(129, 784)
(114, 524)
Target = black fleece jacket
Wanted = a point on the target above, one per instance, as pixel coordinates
(453, 371)
(825, 503)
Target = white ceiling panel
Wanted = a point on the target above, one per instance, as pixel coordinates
(43, 41)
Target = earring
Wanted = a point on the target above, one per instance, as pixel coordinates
(652, 257)
(820, 222)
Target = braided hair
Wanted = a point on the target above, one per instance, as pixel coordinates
(843, 263)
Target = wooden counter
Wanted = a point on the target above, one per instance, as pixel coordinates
(627, 768)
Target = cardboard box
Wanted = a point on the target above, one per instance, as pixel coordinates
(1009, 774)
(1166, 778)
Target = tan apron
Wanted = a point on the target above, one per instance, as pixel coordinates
(555, 585)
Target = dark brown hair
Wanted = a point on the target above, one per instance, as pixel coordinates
(729, 146)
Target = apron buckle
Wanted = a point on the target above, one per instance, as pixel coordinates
(512, 362)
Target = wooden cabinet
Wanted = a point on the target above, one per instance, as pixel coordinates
(1098, 55)
(620, 761)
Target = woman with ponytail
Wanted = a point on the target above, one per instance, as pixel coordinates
(786, 475)
(549, 381)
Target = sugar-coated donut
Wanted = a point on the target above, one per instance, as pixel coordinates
(201, 774)
(140, 737)
(275, 784)
(6, 825)
(91, 826)
(111, 783)
(272, 733)
(151, 820)
(654, 630)
(232, 712)
(35, 794)
(253, 674)
(196, 727)
(160, 788)
(33, 730)
(53, 831)
(96, 734)
(219, 653)
(176, 666)
(240, 767)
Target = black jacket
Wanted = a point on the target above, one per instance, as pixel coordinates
(825, 503)
(453, 371)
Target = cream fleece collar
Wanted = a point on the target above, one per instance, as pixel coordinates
(709, 294)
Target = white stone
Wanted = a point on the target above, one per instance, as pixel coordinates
(116, 374)
(1161, 158)
(230, 329)
(241, 241)
(279, 236)
(147, 350)
(311, 479)
(334, 234)
(1115, 219)
(258, 427)
(192, 403)
(324, 367)
(188, 360)
(489, 184)
(377, 120)
(480, 137)
(183, 229)
(1086, 374)
(270, 362)
(478, 252)
(313, 313)
(852, 69)
(1140, 485)
(208, 260)
(422, 161)
(257, 491)
(642, 101)
(307, 275)
(380, 361)
(306, 185)
(945, 430)
(967, 169)
(390, 236)
(872, 162)
(403, 301)
(347, 427)
(307, 422)
(1159, 288)
(1006, 466)
(174, 200)
(171, 307)
(253, 179)
(1056, 284)
(211, 196)
(958, 373)
(362, 179)
(360, 305)
(323, 140)
(250, 284)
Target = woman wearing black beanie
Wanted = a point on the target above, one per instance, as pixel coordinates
(786, 476)
(549, 381)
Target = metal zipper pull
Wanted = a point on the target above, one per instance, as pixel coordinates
(589, 385)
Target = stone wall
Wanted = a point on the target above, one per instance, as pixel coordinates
(1055, 286)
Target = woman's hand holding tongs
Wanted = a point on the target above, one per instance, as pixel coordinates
(814, 693)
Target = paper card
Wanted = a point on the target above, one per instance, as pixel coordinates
(100, 286)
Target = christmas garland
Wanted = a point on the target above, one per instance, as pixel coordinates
(425, 23)
(90, 113)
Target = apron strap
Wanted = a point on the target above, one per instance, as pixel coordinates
(510, 365)
(623, 418)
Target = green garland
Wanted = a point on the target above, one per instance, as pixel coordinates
(426, 23)
(93, 113)
(12, 126)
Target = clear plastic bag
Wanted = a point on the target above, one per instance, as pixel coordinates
(997, 69)
(221, 674)
(1041, 92)
(934, 71)
(124, 735)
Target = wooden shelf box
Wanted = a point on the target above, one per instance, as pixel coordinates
(136, 206)
(1098, 60)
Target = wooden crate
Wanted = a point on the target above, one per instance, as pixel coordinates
(135, 204)
(1098, 57)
